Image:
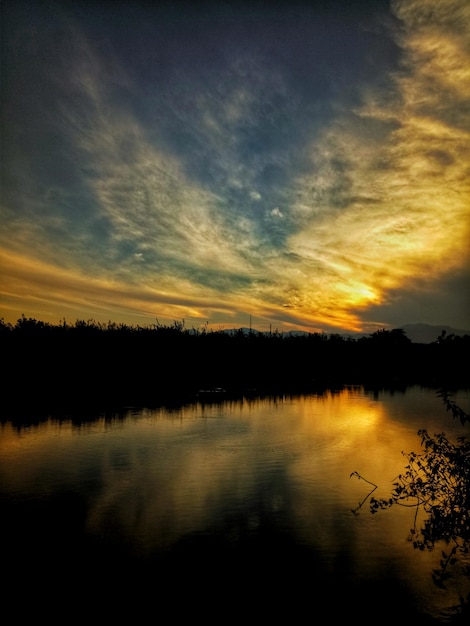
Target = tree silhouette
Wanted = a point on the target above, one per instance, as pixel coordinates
(437, 481)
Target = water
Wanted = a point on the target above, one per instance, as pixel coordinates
(231, 509)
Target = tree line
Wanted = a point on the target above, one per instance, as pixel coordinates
(115, 363)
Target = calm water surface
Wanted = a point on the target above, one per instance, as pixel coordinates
(216, 510)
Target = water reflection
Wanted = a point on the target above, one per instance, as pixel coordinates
(258, 484)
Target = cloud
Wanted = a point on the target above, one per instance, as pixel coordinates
(76, 293)
(388, 199)
(307, 172)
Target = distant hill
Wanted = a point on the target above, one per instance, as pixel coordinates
(253, 331)
(417, 333)
(425, 333)
(245, 330)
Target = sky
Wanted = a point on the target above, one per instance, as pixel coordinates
(290, 165)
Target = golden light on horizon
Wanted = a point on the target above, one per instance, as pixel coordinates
(245, 192)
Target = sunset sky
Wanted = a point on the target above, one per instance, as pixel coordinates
(303, 163)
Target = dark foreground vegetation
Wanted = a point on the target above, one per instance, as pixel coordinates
(91, 365)
(437, 480)
(55, 366)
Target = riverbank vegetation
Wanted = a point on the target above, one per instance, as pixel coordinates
(91, 362)
(436, 481)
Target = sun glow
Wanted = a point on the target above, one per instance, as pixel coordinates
(243, 192)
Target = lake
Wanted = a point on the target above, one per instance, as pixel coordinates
(237, 509)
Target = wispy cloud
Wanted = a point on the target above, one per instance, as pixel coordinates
(267, 171)
(389, 195)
